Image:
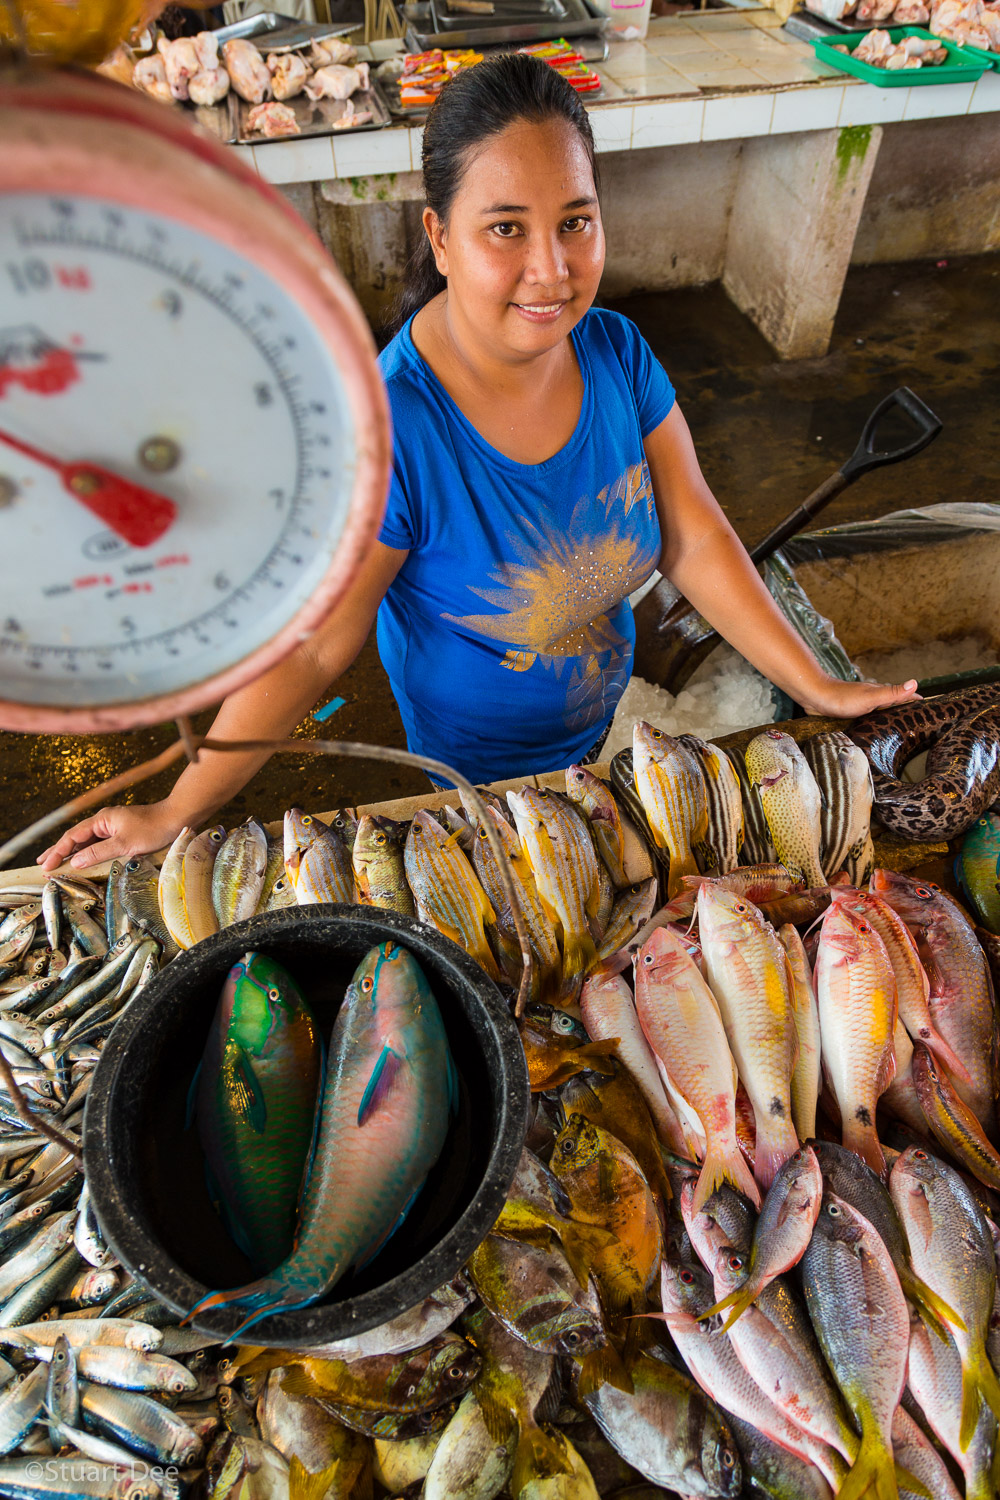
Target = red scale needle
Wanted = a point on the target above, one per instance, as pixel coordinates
(139, 516)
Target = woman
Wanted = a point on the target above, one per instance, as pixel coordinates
(542, 471)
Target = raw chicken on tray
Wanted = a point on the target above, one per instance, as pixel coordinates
(190, 70)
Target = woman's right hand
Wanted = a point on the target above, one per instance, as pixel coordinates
(115, 833)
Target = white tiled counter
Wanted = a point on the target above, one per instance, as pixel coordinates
(711, 77)
(809, 139)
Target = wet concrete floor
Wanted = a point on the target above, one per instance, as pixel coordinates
(767, 434)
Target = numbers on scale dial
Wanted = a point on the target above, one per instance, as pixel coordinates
(107, 287)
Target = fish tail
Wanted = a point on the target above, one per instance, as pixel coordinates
(863, 1141)
(603, 1366)
(578, 956)
(738, 1301)
(682, 866)
(770, 1153)
(873, 1472)
(935, 1042)
(537, 1456)
(934, 1308)
(979, 1384)
(722, 1165)
(261, 1298)
(910, 1483)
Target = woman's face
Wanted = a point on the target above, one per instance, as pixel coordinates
(523, 248)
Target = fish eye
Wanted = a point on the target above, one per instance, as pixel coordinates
(657, 734)
(380, 838)
(687, 1277)
(274, 994)
(736, 1262)
(216, 836)
(572, 1338)
(833, 1210)
(578, 776)
(925, 892)
(455, 1372)
(307, 818)
(566, 1148)
(920, 1156)
(648, 959)
(564, 1023)
(132, 864)
(367, 984)
(727, 1459)
(178, 1387)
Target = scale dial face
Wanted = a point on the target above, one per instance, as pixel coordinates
(194, 440)
(139, 345)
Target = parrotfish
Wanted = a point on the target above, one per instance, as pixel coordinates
(255, 1101)
(390, 1090)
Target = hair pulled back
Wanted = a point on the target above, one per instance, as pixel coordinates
(470, 110)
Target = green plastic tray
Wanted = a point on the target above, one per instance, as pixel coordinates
(960, 67)
(991, 59)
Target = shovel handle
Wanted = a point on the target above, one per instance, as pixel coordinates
(865, 457)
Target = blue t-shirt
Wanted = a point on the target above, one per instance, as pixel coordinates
(507, 633)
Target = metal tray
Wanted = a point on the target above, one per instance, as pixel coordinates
(278, 33)
(424, 28)
(314, 119)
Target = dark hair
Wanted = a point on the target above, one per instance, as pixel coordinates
(476, 105)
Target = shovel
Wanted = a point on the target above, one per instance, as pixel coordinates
(673, 639)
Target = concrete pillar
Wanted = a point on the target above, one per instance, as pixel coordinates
(795, 215)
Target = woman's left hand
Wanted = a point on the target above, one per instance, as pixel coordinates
(832, 699)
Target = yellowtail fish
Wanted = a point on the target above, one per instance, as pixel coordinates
(199, 861)
(547, 965)
(844, 778)
(377, 860)
(317, 861)
(913, 988)
(238, 873)
(390, 1091)
(952, 1251)
(856, 991)
(170, 891)
(791, 801)
(805, 1012)
(591, 794)
(447, 894)
(748, 974)
(720, 851)
(671, 788)
(783, 1230)
(952, 1121)
(681, 1022)
(556, 1046)
(934, 1376)
(559, 849)
(858, 1310)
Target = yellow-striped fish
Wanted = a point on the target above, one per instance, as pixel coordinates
(560, 851)
(170, 890)
(541, 934)
(317, 861)
(444, 886)
(671, 788)
(720, 851)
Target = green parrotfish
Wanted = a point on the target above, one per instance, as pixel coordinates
(255, 1098)
(390, 1090)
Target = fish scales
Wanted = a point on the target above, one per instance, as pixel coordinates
(670, 784)
(724, 837)
(844, 778)
(446, 890)
(748, 974)
(758, 848)
(557, 844)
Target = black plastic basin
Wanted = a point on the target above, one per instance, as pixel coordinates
(145, 1168)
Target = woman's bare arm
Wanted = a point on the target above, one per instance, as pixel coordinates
(269, 708)
(705, 559)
